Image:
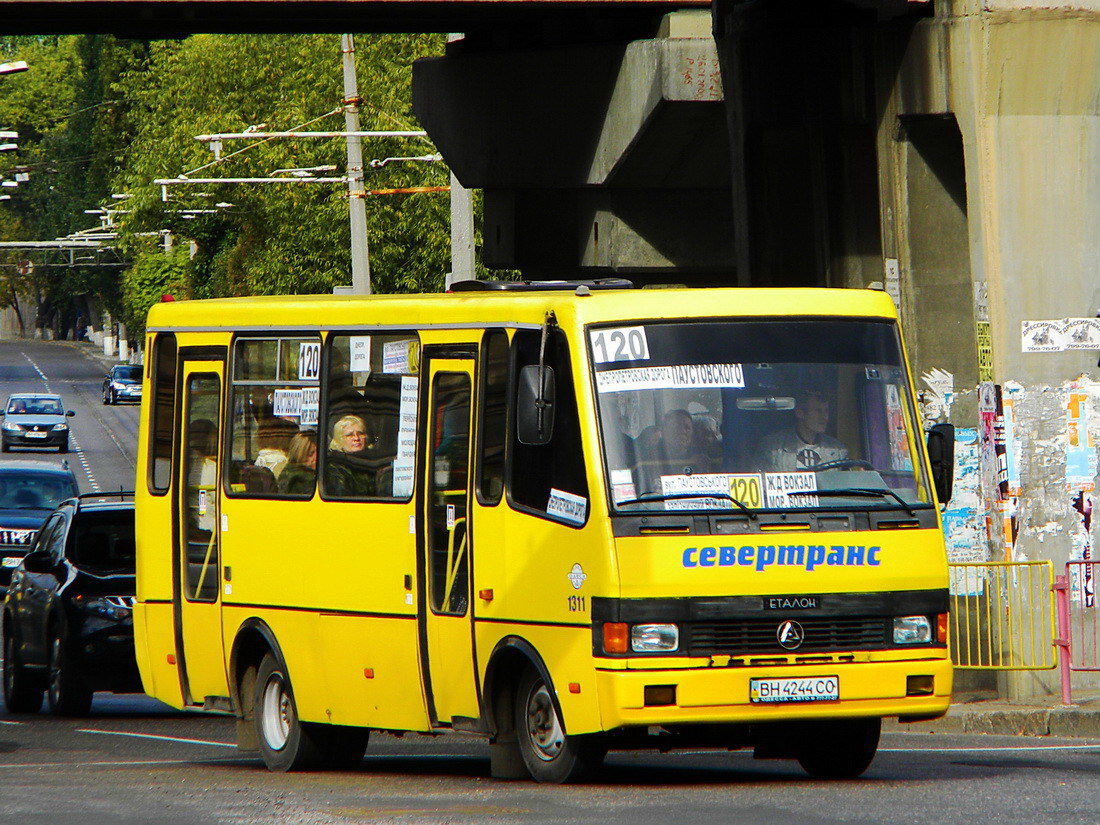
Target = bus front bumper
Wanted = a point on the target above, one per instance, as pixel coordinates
(722, 694)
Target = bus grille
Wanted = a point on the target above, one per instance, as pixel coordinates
(759, 635)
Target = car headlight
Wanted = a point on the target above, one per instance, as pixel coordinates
(654, 638)
(61, 426)
(108, 607)
(11, 426)
(912, 630)
(116, 385)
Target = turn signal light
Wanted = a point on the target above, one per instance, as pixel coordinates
(941, 628)
(615, 637)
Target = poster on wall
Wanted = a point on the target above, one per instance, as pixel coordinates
(1080, 448)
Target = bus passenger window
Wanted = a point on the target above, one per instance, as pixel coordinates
(274, 415)
(368, 443)
(549, 478)
(164, 407)
(492, 428)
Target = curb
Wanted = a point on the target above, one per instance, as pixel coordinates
(1066, 722)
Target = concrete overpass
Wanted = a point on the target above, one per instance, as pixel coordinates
(947, 150)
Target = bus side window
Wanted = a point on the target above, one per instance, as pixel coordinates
(163, 414)
(368, 436)
(549, 478)
(493, 415)
(273, 417)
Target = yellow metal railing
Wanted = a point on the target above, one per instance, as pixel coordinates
(1003, 616)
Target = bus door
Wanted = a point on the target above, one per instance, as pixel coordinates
(197, 578)
(445, 541)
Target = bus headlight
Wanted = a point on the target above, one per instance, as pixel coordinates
(654, 638)
(912, 630)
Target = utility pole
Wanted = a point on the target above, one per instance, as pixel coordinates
(357, 205)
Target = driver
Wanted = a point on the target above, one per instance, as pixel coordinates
(806, 445)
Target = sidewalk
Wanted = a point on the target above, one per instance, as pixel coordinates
(971, 714)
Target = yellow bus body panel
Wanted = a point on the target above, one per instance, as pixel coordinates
(329, 578)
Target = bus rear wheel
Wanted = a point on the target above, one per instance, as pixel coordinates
(548, 753)
(841, 749)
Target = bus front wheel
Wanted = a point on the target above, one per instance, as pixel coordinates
(285, 744)
(548, 753)
(841, 749)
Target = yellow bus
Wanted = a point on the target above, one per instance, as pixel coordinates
(567, 516)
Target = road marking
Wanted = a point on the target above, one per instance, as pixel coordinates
(71, 765)
(73, 442)
(158, 736)
(41, 374)
(1003, 749)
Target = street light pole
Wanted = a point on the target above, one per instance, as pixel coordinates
(357, 207)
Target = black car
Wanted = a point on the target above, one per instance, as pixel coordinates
(68, 615)
(35, 419)
(122, 383)
(29, 491)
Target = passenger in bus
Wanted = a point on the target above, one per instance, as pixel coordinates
(670, 449)
(274, 442)
(806, 445)
(346, 470)
(298, 477)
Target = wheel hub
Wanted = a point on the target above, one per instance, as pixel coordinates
(275, 714)
(543, 727)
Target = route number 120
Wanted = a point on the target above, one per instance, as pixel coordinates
(619, 344)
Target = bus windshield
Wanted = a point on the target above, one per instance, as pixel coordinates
(757, 415)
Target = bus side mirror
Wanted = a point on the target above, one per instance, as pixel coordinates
(941, 453)
(535, 406)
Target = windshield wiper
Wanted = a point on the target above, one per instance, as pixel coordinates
(673, 496)
(864, 491)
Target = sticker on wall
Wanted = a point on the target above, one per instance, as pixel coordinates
(985, 351)
(1082, 333)
(892, 280)
(1080, 450)
(1041, 336)
(577, 576)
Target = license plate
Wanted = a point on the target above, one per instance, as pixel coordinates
(36, 435)
(801, 689)
(11, 561)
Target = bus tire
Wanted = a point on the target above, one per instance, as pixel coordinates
(343, 746)
(548, 753)
(841, 749)
(285, 743)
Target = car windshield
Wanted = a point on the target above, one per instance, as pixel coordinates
(35, 406)
(754, 415)
(104, 542)
(126, 373)
(34, 491)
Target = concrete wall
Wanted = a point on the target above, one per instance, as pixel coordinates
(1022, 82)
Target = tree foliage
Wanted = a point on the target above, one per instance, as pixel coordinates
(99, 116)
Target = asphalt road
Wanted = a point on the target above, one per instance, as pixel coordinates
(136, 761)
(102, 440)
